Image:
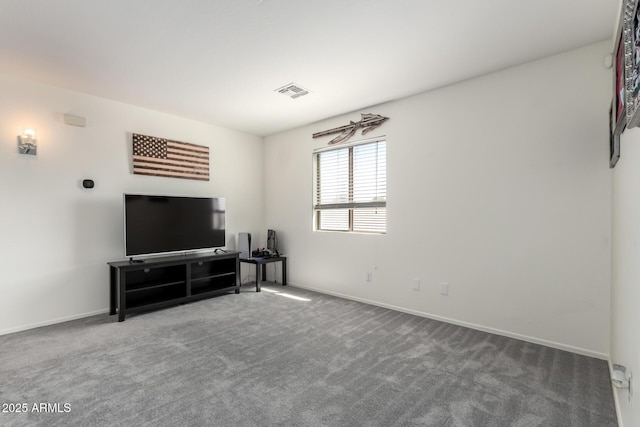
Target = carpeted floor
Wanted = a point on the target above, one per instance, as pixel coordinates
(266, 359)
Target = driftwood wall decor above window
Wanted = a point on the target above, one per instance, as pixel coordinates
(368, 123)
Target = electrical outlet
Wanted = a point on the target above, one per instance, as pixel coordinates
(369, 276)
(444, 288)
(415, 284)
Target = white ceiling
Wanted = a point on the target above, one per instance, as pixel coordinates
(219, 61)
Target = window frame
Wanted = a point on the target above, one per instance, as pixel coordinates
(350, 205)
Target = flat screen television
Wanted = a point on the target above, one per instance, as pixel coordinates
(155, 225)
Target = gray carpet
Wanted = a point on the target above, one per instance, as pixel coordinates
(262, 359)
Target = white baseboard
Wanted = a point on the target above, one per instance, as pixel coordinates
(51, 322)
(534, 340)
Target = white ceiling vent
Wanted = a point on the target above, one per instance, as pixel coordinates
(292, 90)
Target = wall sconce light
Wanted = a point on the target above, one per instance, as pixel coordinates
(27, 143)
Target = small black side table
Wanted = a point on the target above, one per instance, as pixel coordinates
(263, 262)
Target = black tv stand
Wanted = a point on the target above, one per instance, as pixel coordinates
(140, 285)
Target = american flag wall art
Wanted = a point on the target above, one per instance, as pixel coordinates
(174, 159)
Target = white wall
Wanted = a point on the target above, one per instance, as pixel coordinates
(498, 185)
(55, 236)
(625, 316)
(625, 270)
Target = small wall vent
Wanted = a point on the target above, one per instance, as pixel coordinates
(292, 90)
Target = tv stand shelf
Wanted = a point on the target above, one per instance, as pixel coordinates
(160, 282)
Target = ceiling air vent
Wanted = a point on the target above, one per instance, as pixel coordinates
(292, 90)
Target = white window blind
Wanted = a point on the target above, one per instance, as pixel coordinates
(351, 188)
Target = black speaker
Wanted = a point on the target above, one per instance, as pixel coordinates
(88, 183)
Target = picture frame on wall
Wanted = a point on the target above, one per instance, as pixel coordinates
(619, 107)
(631, 40)
(618, 118)
(614, 137)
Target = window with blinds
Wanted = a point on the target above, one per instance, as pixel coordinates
(351, 188)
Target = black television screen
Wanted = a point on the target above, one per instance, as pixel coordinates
(163, 224)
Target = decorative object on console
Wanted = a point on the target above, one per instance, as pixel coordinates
(368, 123)
(272, 242)
(173, 159)
(27, 143)
(260, 253)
